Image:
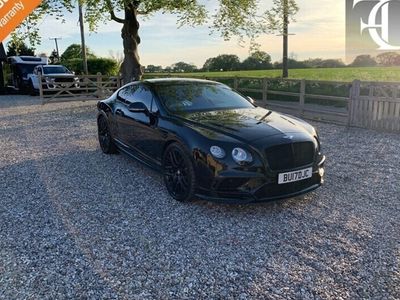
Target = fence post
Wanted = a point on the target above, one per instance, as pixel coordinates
(354, 95)
(265, 90)
(302, 95)
(41, 94)
(236, 83)
(99, 91)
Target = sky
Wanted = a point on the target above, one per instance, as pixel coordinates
(319, 32)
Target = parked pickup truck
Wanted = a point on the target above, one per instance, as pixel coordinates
(53, 77)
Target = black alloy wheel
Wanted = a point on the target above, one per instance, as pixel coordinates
(106, 143)
(179, 176)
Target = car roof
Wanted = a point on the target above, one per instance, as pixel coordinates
(165, 81)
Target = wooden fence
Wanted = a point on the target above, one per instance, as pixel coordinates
(374, 105)
(77, 88)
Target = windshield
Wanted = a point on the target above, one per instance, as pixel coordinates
(55, 70)
(191, 97)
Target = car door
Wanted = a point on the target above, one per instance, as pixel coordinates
(121, 114)
(143, 134)
(149, 138)
(139, 130)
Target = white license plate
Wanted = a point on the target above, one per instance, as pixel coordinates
(295, 176)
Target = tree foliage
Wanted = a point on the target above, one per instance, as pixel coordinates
(292, 64)
(74, 51)
(223, 62)
(53, 58)
(28, 30)
(105, 66)
(388, 59)
(183, 67)
(19, 48)
(258, 60)
(364, 61)
(154, 69)
(313, 62)
(332, 63)
(240, 18)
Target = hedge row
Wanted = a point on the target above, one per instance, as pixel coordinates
(105, 66)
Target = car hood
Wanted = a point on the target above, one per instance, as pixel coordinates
(249, 125)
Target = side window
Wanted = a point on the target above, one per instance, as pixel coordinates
(126, 94)
(137, 93)
(144, 95)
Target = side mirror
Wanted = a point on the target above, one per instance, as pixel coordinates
(138, 107)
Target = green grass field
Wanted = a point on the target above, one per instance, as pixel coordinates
(338, 74)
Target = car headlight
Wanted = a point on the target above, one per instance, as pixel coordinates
(241, 156)
(217, 152)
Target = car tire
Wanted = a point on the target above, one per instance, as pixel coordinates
(178, 173)
(106, 142)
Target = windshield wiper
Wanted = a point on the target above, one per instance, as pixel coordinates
(266, 116)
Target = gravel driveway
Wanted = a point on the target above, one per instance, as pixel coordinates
(75, 223)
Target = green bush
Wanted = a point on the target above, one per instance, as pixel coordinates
(105, 66)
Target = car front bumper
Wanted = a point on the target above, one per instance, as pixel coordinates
(260, 188)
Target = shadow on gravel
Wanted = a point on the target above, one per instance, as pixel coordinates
(12, 101)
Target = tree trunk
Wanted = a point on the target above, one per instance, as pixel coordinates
(285, 67)
(131, 69)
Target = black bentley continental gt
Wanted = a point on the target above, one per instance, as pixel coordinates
(211, 142)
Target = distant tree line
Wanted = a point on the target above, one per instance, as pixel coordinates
(386, 59)
(257, 60)
(260, 60)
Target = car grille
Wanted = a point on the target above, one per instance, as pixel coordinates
(66, 79)
(290, 156)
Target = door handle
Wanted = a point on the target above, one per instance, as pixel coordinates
(119, 112)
